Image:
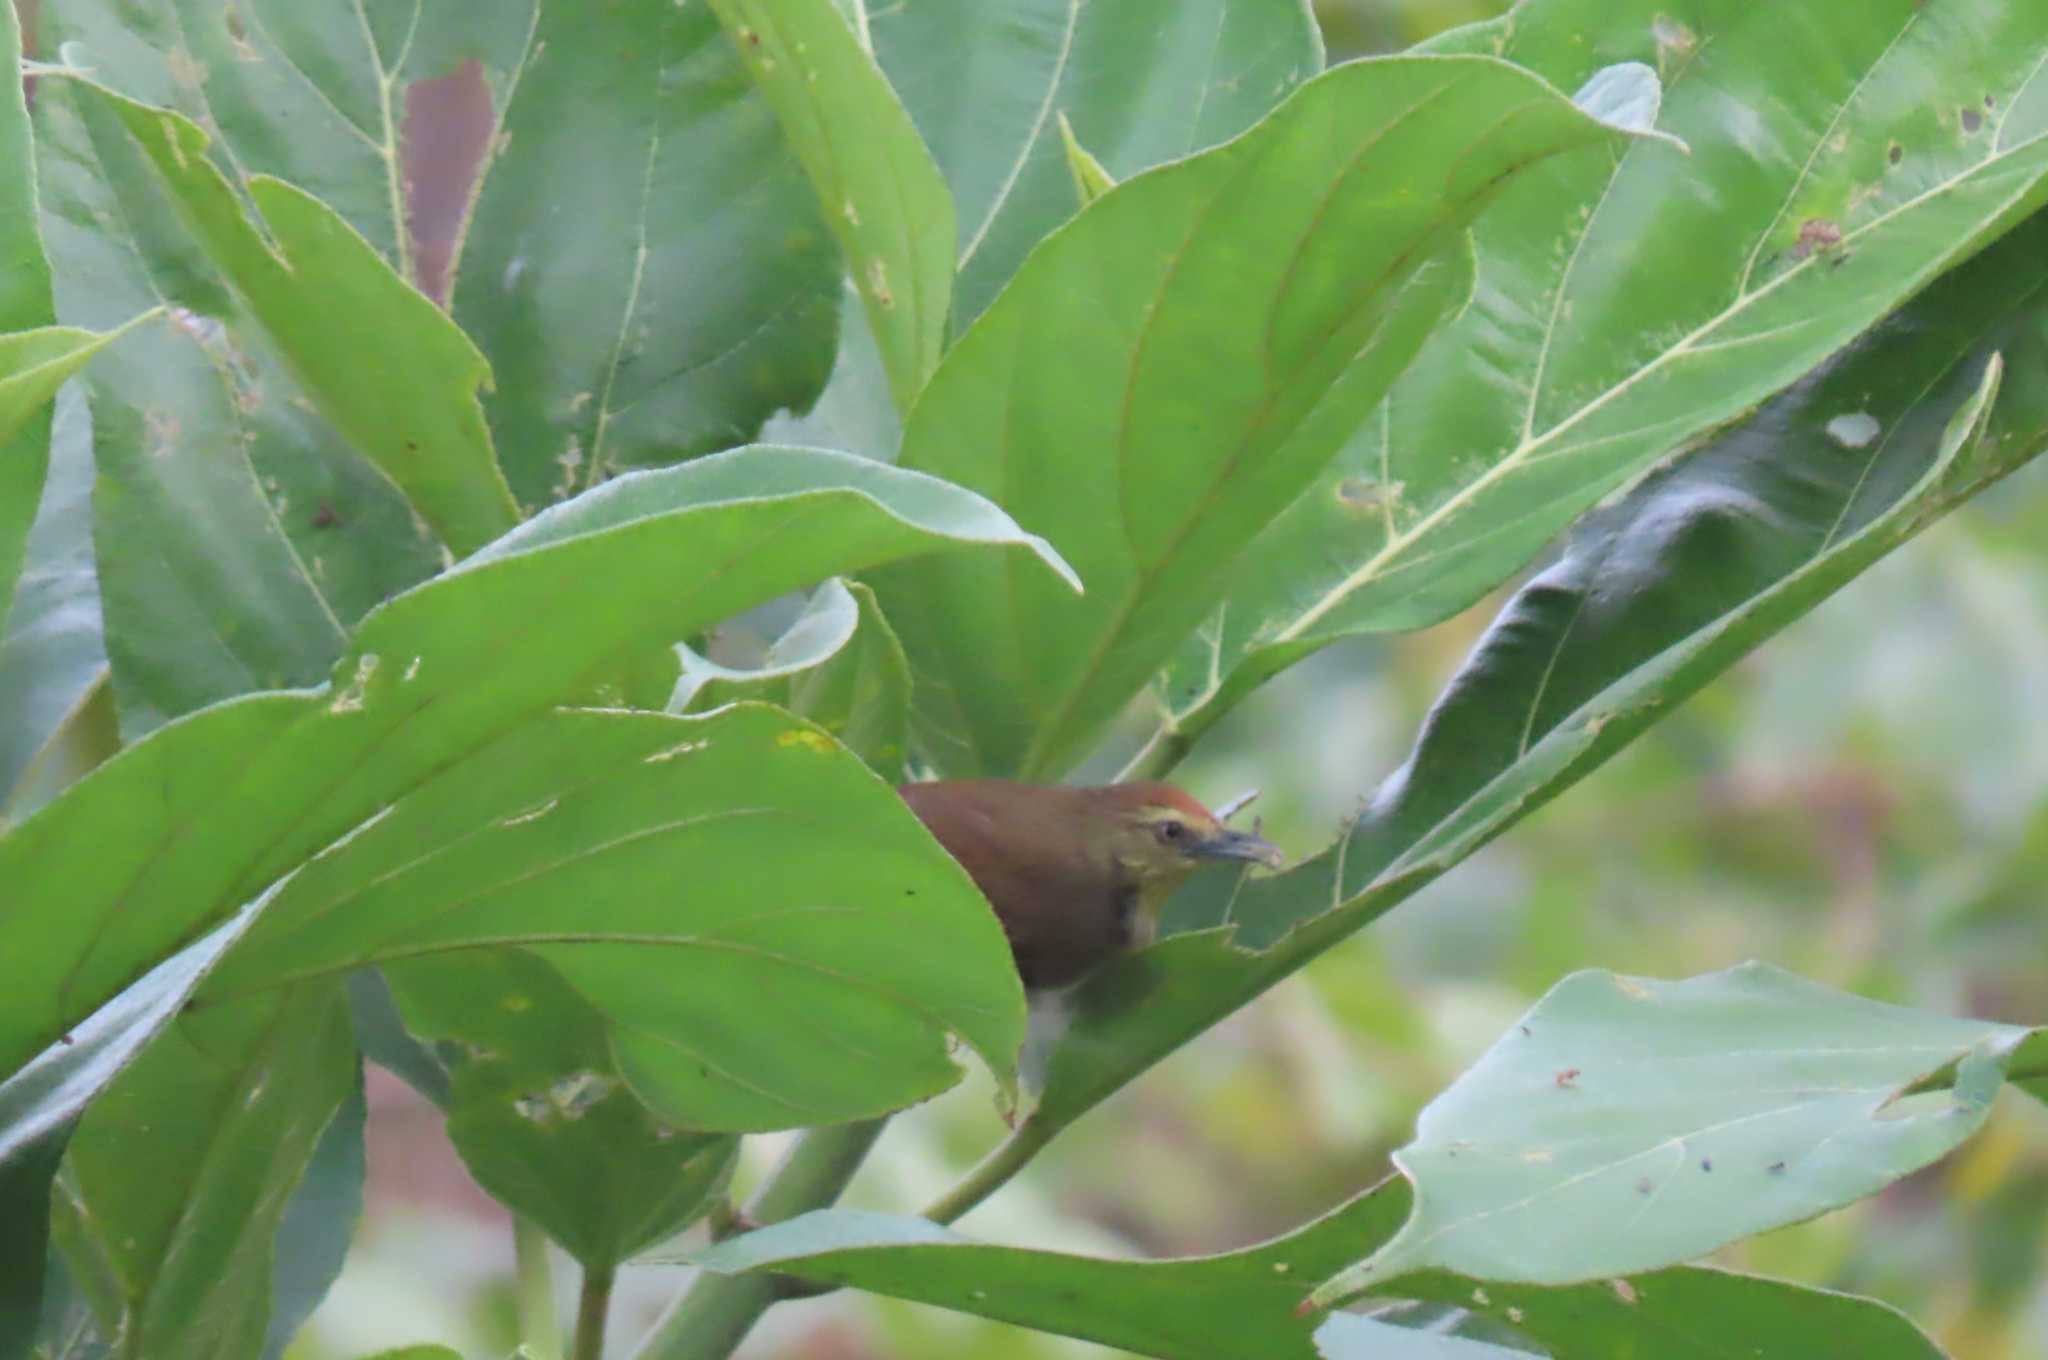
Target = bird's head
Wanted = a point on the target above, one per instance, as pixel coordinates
(1159, 835)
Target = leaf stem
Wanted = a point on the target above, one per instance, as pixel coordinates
(715, 1314)
(592, 1307)
(993, 1174)
(539, 1332)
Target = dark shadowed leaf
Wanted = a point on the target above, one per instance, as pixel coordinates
(319, 1222)
(384, 1040)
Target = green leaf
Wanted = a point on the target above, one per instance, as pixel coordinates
(320, 1221)
(310, 93)
(2030, 1067)
(807, 879)
(1630, 303)
(1657, 594)
(1164, 375)
(1091, 181)
(1246, 1302)
(862, 694)
(25, 306)
(1143, 82)
(52, 656)
(384, 1040)
(838, 664)
(238, 537)
(218, 805)
(175, 1184)
(689, 290)
(399, 381)
(541, 1116)
(876, 183)
(1630, 1124)
(855, 412)
(67, 1330)
(43, 1098)
(1356, 1338)
(824, 624)
(34, 364)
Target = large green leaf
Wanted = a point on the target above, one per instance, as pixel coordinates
(216, 806)
(1245, 1303)
(25, 305)
(693, 289)
(674, 870)
(876, 183)
(309, 91)
(177, 1179)
(541, 1116)
(41, 1101)
(299, 271)
(1167, 372)
(238, 537)
(987, 82)
(1628, 1124)
(1656, 595)
(1627, 304)
(52, 654)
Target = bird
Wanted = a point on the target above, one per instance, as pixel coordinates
(1077, 875)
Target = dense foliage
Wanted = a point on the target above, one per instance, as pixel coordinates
(1044, 381)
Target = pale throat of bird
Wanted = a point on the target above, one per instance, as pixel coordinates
(1148, 899)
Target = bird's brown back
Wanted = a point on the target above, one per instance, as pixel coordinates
(1027, 847)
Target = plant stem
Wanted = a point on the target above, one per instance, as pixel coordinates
(995, 1171)
(592, 1307)
(538, 1328)
(1167, 748)
(715, 1314)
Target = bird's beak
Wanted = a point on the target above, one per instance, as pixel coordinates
(1244, 845)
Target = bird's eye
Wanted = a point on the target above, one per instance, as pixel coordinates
(1171, 832)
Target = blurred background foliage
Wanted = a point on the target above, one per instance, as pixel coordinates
(1865, 801)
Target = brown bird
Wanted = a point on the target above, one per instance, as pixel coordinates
(1077, 875)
